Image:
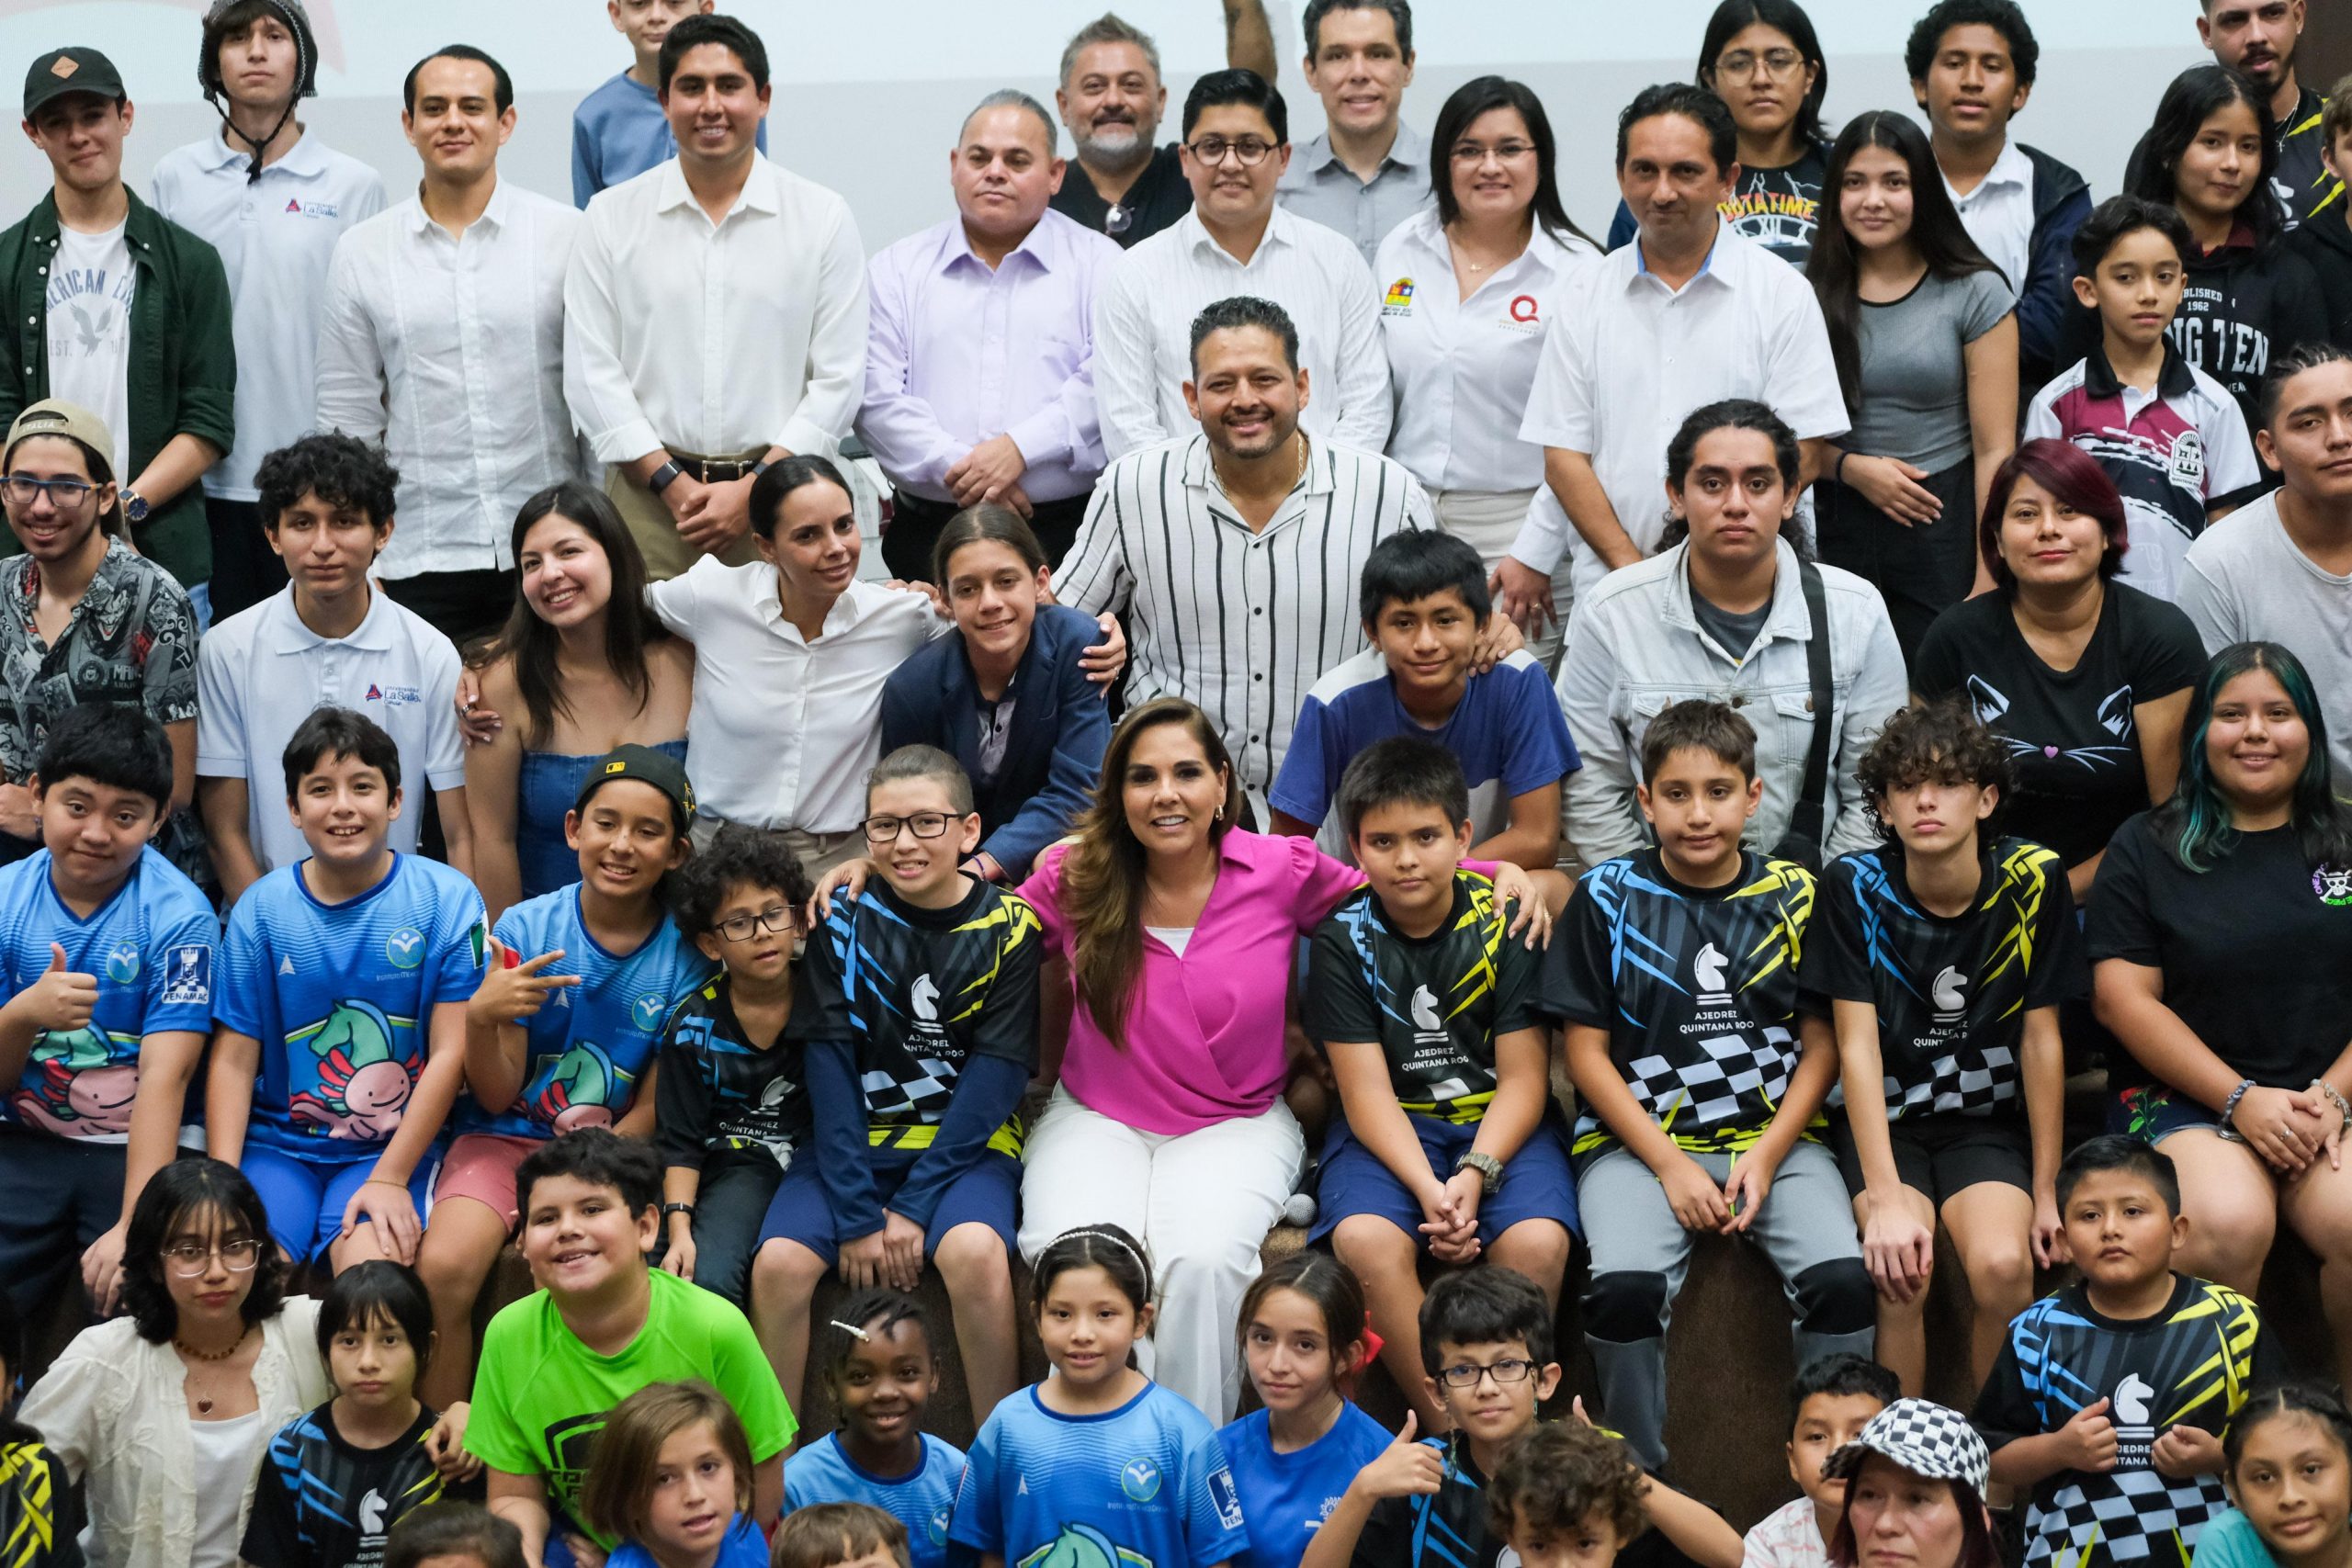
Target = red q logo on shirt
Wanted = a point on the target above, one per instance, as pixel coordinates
(1522, 308)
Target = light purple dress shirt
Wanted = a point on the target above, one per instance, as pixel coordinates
(957, 355)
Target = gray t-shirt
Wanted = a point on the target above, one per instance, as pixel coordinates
(1914, 374)
(2243, 581)
(1733, 631)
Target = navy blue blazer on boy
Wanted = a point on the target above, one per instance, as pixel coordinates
(1053, 752)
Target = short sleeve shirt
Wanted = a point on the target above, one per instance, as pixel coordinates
(130, 642)
(341, 997)
(718, 1092)
(923, 1500)
(1434, 1005)
(321, 1502)
(2073, 737)
(1914, 397)
(1951, 992)
(1697, 989)
(1158, 197)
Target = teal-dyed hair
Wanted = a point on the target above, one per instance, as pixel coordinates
(2195, 823)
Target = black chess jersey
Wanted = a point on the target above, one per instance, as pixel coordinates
(1951, 994)
(717, 1091)
(40, 1508)
(320, 1502)
(2190, 1364)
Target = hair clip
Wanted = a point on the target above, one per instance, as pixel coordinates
(861, 1336)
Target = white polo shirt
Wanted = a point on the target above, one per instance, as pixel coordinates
(1998, 214)
(261, 673)
(1629, 359)
(784, 731)
(1459, 370)
(277, 238)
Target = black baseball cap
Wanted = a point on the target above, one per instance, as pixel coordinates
(646, 765)
(75, 69)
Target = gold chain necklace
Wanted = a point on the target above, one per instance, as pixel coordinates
(1297, 472)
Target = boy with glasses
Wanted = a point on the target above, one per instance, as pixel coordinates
(921, 1033)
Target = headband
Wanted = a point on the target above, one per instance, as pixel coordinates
(1120, 1242)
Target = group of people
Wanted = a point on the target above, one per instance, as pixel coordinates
(1868, 645)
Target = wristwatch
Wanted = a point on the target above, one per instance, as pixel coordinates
(664, 477)
(1489, 1170)
(669, 1208)
(135, 506)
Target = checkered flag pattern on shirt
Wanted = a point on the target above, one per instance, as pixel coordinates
(2142, 1511)
(1989, 1079)
(1926, 1438)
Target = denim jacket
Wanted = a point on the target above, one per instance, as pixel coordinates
(1634, 646)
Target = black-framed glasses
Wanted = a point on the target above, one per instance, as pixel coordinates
(1741, 65)
(922, 824)
(64, 494)
(776, 921)
(1250, 150)
(1467, 1374)
(190, 1259)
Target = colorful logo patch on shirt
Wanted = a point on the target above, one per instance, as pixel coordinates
(1140, 1479)
(1399, 300)
(2334, 885)
(189, 980)
(122, 964)
(648, 1012)
(312, 208)
(405, 948)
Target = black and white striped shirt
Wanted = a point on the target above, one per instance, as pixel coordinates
(1242, 624)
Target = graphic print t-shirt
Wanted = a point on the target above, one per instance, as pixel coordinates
(91, 284)
(719, 1092)
(341, 997)
(921, 991)
(322, 1503)
(1697, 987)
(1145, 1485)
(1951, 992)
(2190, 1364)
(150, 946)
(1286, 1497)
(1433, 1004)
(587, 1048)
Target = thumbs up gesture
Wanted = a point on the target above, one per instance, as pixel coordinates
(60, 1000)
(1406, 1468)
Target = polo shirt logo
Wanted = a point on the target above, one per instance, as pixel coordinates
(2189, 460)
(312, 208)
(374, 694)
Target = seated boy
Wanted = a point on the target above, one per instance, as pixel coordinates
(1447, 1143)
(106, 956)
(562, 1031)
(921, 1038)
(731, 1103)
(328, 637)
(1425, 604)
(1833, 1399)
(1676, 974)
(1941, 958)
(600, 1328)
(2171, 437)
(1566, 1494)
(2110, 1396)
(341, 1027)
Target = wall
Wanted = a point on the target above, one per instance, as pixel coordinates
(868, 96)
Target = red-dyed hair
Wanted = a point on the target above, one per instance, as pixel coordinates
(2070, 475)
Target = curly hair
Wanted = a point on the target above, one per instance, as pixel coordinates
(184, 1193)
(340, 469)
(1944, 741)
(739, 856)
(1558, 1475)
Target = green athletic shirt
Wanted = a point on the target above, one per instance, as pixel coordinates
(541, 1395)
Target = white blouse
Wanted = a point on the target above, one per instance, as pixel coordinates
(1460, 369)
(113, 1410)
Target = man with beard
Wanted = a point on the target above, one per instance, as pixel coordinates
(1111, 98)
(1233, 553)
(2258, 38)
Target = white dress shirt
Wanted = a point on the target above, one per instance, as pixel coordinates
(783, 731)
(1460, 369)
(448, 352)
(1143, 328)
(1998, 214)
(1242, 624)
(1629, 359)
(715, 339)
(957, 354)
(277, 238)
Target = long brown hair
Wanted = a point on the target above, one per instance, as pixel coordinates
(1102, 876)
(616, 1497)
(629, 626)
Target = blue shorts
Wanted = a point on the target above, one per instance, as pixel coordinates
(305, 1198)
(2153, 1111)
(1537, 1184)
(802, 1210)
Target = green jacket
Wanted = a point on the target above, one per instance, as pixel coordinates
(182, 370)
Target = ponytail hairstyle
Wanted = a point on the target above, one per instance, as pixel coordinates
(2322, 1406)
(1735, 413)
(2194, 825)
(1338, 1296)
(988, 521)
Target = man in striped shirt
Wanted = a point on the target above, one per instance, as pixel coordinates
(1233, 553)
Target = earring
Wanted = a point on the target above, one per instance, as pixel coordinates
(1220, 813)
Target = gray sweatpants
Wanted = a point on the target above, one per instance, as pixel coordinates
(1640, 1253)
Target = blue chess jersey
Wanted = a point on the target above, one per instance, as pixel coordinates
(1145, 1485)
(1286, 1497)
(592, 1042)
(741, 1547)
(924, 1501)
(150, 946)
(340, 995)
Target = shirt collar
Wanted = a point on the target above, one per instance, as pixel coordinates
(2011, 168)
(1790, 617)
(1725, 251)
(761, 191)
(495, 216)
(1037, 244)
(2175, 381)
(1196, 235)
(1409, 150)
(305, 160)
(372, 635)
(1319, 477)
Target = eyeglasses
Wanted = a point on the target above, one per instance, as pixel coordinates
(1250, 150)
(922, 824)
(776, 921)
(1466, 1375)
(64, 494)
(1471, 153)
(1741, 66)
(190, 1259)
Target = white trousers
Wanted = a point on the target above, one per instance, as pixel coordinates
(1488, 521)
(1202, 1202)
